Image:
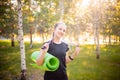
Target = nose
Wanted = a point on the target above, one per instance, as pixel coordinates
(62, 32)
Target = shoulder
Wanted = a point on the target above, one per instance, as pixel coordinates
(64, 43)
(49, 41)
(66, 46)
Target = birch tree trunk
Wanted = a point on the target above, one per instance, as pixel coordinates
(31, 40)
(109, 34)
(97, 42)
(61, 6)
(22, 48)
(96, 26)
(12, 37)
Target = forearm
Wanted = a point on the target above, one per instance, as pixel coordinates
(40, 58)
(73, 55)
(70, 57)
(43, 51)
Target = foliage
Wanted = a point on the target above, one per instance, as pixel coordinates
(112, 18)
(8, 18)
(41, 15)
(116, 20)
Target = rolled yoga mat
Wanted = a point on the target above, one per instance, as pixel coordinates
(51, 63)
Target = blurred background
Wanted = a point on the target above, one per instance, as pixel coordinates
(85, 19)
(94, 24)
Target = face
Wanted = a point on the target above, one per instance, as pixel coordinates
(60, 31)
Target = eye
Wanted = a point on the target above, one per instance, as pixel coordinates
(64, 30)
(60, 28)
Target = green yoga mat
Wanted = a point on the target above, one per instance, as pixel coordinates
(51, 63)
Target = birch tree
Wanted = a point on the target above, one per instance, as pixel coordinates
(21, 41)
(96, 27)
(61, 8)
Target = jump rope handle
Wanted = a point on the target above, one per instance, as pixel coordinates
(43, 47)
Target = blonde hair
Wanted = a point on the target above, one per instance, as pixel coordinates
(59, 23)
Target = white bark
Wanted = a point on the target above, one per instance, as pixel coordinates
(96, 27)
(20, 34)
(61, 6)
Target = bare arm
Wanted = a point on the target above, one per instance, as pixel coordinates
(72, 56)
(40, 58)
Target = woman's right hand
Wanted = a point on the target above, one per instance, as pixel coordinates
(45, 47)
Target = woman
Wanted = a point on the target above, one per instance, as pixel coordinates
(58, 49)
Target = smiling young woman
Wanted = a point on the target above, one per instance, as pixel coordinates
(59, 49)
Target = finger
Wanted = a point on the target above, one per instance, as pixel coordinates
(45, 46)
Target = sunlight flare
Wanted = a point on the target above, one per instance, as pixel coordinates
(85, 3)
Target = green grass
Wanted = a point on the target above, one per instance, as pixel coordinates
(84, 67)
(87, 67)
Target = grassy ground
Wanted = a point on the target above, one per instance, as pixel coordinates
(84, 67)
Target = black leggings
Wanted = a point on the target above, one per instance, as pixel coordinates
(55, 76)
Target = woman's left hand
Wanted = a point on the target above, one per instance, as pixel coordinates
(77, 50)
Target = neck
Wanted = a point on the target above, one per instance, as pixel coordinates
(57, 40)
